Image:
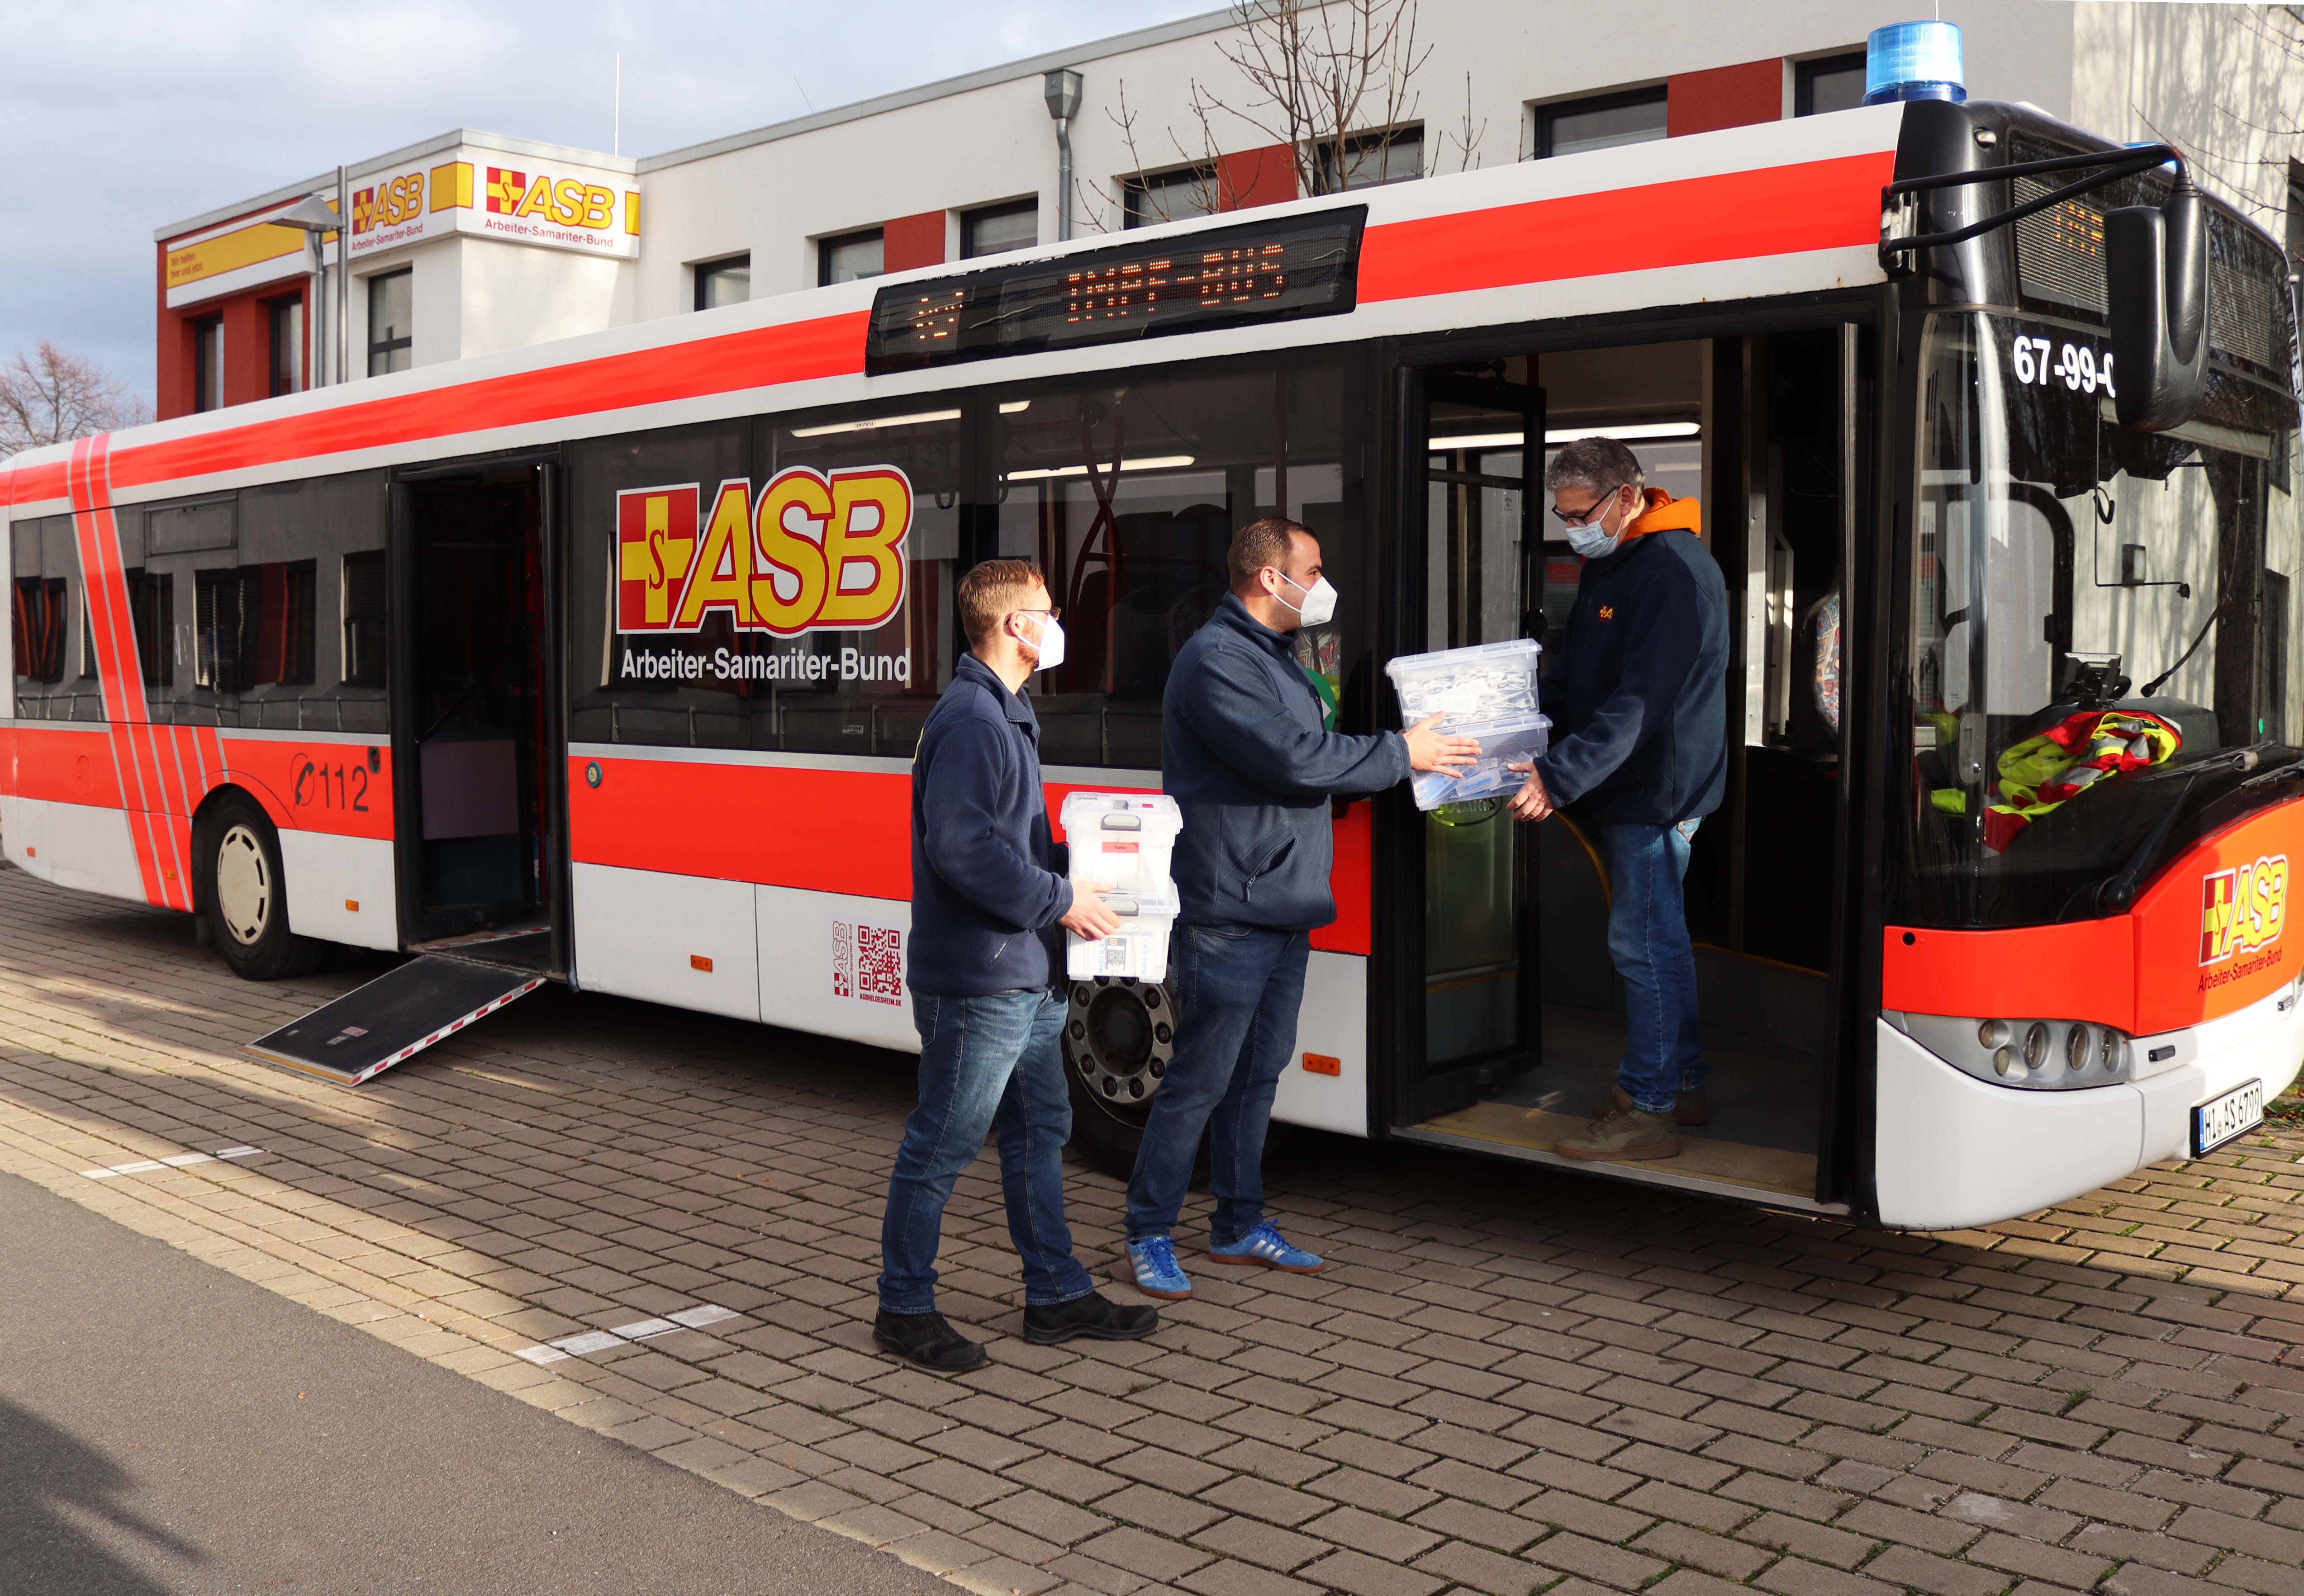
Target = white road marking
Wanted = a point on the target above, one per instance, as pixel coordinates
(145, 1166)
(639, 1329)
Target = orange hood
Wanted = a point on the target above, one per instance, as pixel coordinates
(1664, 513)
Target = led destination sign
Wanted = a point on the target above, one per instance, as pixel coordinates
(1270, 270)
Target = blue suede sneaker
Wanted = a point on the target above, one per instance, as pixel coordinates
(1158, 1274)
(1265, 1246)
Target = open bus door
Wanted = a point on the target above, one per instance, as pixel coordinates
(1511, 1008)
(481, 856)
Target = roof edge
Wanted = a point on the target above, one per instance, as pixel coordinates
(1118, 44)
(453, 137)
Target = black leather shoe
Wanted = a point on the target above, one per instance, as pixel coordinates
(926, 1339)
(1051, 1324)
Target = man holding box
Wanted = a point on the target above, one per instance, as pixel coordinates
(1644, 715)
(1245, 751)
(988, 892)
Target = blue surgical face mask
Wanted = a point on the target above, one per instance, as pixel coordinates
(1592, 542)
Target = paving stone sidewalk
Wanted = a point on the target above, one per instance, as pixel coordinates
(1508, 1381)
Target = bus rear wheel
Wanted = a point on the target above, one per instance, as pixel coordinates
(244, 893)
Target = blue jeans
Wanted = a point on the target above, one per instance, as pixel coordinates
(1239, 989)
(1647, 938)
(987, 1064)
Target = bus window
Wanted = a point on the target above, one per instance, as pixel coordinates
(1128, 495)
(709, 609)
(2087, 603)
(43, 597)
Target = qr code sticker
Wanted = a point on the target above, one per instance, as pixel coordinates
(868, 963)
(880, 965)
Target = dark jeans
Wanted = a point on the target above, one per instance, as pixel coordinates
(1237, 992)
(1647, 938)
(987, 1064)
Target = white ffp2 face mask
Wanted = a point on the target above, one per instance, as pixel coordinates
(1051, 645)
(1319, 605)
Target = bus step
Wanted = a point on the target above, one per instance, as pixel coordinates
(393, 1018)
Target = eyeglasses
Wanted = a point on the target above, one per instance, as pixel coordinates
(1583, 518)
(1052, 612)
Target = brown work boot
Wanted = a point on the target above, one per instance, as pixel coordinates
(1622, 1136)
(1693, 1108)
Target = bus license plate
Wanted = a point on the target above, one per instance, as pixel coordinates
(2221, 1119)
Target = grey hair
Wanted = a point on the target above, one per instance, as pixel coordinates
(1600, 464)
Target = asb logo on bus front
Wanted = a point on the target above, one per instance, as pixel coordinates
(809, 553)
(2242, 909)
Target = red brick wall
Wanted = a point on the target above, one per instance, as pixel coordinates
(909, 241)
(1725, 97)
(1248, 178)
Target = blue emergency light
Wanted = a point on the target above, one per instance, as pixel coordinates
(1913, 61)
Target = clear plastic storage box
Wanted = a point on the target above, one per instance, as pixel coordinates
(1125, 839)
(1488, 684)
(1139, 951)
(1503, 745)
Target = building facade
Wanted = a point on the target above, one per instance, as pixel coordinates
(470, 242)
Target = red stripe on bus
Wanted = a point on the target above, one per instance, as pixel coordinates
(823, 831)
(795, 351)
(104, 586)
(37, 485)
(1734, 215)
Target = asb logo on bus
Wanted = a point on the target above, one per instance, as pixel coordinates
(2243, 909)
(809, 553)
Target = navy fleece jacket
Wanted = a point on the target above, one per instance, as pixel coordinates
(988, 875)
(1244, 753)
(1639, 699)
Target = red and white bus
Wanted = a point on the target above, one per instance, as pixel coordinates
(602, 662)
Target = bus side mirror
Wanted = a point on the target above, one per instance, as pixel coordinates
(2156, 277)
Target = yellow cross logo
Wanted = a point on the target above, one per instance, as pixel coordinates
(658, 559)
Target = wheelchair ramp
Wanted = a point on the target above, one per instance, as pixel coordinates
(393, 1018)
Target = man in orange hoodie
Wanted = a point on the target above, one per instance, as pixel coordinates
(1639, 704)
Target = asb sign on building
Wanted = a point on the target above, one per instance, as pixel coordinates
(517, 198)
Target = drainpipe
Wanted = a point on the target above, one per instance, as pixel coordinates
(343, 276)
(1061, 89)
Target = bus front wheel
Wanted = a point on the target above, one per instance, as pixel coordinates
(244, 893)
(1119, 1035)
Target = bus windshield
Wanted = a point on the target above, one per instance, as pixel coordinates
(2095, 611)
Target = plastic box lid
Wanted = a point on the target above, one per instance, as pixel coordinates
(1414, 676)
(1121, 812)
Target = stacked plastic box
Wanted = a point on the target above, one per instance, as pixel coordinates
(1486, 692)
(1128, 841)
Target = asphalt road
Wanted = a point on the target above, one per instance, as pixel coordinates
(166, 1427)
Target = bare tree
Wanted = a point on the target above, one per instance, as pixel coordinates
(1329, 81)
(50, 397)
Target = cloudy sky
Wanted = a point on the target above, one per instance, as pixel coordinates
(119, 118)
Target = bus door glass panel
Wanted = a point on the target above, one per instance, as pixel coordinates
(1128, 495)
(2067, 570)
(1479, 554)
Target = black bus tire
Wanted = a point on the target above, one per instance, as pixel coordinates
(241, 892)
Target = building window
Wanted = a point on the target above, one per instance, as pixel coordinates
(1167, 196)
(1364, 160)
(390, 300)
(1830, 83)
(723, 281)
(848, 258)
(2295, 215)
(287, 318)
(997, 229)
(1602, 122)
(207, 363)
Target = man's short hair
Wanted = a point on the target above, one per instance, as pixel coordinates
(1602, 465)
(990, 592)
(1263, 542)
